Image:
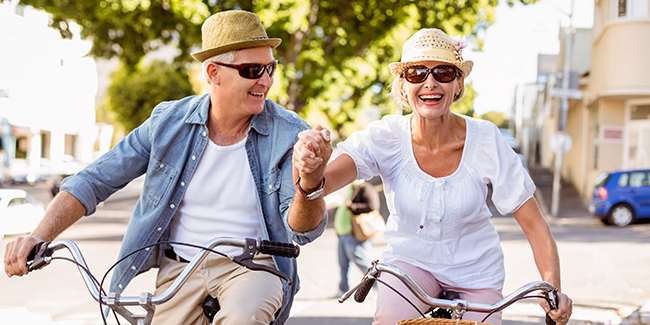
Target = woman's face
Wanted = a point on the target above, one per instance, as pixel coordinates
(431, 98)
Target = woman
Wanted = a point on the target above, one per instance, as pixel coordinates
(436, 166)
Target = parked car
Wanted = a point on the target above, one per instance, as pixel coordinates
(620, 198)
(19, 212)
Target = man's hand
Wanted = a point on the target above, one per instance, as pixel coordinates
(310, 156)
(16, 253)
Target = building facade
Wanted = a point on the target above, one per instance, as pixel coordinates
(47, 94)
(610, 125)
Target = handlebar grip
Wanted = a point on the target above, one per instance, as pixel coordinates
(279, 249)
(39, 256)
(363, 290)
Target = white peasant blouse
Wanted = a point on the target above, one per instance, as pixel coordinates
(443, 225)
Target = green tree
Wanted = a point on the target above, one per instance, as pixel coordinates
(497, 118)
(334, 53)
(134, 94)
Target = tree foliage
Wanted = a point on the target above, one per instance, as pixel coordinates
(334, 53)
(497, 118)
(134, 94)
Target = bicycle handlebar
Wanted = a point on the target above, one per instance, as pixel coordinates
(458, 306)
(41, 255)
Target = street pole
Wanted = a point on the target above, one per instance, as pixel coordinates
(564, 107)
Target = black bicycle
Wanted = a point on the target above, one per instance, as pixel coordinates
(42, 255)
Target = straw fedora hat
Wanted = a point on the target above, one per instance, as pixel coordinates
(232, 30)
(431, 44)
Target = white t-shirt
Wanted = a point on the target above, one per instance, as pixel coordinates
(443, 224)
(220, 201)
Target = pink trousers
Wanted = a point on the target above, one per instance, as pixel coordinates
(392, 308)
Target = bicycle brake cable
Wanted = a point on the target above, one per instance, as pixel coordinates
(401, 295)
(136, 251)
(512, 302)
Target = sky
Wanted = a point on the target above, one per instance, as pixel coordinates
(511, 46)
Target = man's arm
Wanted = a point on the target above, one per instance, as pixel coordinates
(61, 213)
(310, 156)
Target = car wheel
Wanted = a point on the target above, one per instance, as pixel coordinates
(621, 215)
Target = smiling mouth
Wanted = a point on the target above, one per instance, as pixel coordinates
(431, 98)
(260, 95)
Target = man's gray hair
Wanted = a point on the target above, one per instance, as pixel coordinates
(228, 57)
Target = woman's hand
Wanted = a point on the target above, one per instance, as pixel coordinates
(562, 314)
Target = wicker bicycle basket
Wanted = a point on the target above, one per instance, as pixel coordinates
(438, 321)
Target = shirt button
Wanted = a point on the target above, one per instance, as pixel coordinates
(172, 206)
(193, 157)
(182, 183)
(133, 268)
(119, 285)
(159, 229)
(146, 249)
(270, 186)
(204, 133)
(162, 165)
(421, 226)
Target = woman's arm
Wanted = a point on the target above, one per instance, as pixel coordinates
(545, 254)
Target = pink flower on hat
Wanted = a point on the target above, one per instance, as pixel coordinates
(459, 45)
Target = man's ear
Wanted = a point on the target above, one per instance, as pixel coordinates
(213, 72)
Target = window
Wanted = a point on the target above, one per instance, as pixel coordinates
(638, 179)
(17, 201)
(630, 8)
(622, 180)
(641, 112)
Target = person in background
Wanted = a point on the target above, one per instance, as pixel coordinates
(361, 198)
(216, 165)
(435, 166)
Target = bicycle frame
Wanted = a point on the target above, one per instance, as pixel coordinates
(458, 306)
(146, 300)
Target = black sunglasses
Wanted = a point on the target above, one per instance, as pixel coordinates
(419, 73)
(252, 70)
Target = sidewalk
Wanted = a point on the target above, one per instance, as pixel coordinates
(572, 207)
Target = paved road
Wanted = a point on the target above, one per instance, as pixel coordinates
(604, 270)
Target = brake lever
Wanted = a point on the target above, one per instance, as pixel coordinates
(246, 259)
(553, 304)
(39, 256)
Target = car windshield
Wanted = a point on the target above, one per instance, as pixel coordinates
(600, 180)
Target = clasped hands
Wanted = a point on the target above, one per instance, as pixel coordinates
(311, 153)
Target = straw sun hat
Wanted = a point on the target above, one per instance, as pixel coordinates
(232, 30)
(431, 44)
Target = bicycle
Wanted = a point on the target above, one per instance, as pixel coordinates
(42, 255)
(447, 311)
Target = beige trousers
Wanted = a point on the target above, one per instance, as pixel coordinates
(245, 296)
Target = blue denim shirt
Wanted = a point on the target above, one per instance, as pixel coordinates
(167, 147)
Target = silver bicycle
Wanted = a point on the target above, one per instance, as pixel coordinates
(42, 255)
(453, 308)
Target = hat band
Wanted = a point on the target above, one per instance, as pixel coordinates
(437, 53)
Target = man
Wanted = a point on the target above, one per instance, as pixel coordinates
(216, 165)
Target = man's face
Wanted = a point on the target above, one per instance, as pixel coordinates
(246, 95)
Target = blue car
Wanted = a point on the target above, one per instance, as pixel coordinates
(620, 198)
